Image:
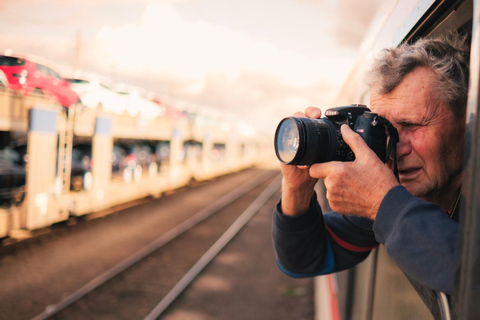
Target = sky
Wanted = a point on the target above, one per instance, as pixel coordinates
(258, 60)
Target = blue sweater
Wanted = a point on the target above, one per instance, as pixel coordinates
(418, 236)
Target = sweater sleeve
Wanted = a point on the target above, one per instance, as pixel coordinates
(419, 237)
(312, 244)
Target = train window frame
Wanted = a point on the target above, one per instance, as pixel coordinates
(468, 281)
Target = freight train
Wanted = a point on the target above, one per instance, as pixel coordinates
(58, 162)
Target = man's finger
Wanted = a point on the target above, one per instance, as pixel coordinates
(299, 114)
(319, 170)
(313, 112)
(355, 141)
(303, 167)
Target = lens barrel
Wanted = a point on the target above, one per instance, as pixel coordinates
(305, 141)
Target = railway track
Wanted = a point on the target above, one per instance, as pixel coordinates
(145, 284)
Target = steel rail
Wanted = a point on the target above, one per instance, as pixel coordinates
(215, 249)
(154, 245)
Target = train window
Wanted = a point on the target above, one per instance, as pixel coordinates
(442, 16)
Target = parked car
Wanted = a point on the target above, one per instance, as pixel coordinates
(146, 109)
(118, 159)
(137, 103)
(30, 77)
(12, 177)
(96, 95)
(80, 177)
(169, 111)
(139, 154)
(137, 158)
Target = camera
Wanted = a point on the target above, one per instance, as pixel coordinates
(305, 141)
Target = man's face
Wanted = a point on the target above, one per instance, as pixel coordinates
(430, 150)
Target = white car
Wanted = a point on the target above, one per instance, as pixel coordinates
(96, 95)
(139, 105)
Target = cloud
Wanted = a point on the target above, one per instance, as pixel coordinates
(211, 65)
(164, 42)
(354, 18)
(256, 97)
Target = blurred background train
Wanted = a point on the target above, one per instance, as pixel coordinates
(73, 146)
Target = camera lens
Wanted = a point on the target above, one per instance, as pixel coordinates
(304, 141)
(287, 140)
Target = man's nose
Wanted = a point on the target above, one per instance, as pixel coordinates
(404, 146)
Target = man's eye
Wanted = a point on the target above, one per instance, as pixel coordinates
(409, 125)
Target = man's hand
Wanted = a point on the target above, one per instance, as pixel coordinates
(357, 187)
(297, 185)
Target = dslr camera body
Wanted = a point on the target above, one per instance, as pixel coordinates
(305, 141)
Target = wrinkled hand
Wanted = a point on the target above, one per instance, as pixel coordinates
(357, 187)
(297, 185)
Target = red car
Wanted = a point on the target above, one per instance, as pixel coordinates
(29, 77)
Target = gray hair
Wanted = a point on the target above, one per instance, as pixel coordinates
(447, 56)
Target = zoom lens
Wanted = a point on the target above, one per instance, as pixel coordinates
(305, 141)
(287, 140)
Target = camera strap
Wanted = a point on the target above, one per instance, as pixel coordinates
(392, 143)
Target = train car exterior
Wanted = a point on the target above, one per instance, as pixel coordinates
(77, 161)
(377, 289)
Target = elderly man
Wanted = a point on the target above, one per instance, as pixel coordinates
(422, 90)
